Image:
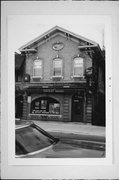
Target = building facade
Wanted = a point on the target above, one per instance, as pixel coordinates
(62, 78)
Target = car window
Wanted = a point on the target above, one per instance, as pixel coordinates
(30, 139)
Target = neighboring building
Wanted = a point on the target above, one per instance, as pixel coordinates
(19, 73)
(62, 78)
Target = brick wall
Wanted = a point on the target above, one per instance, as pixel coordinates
(46, 54)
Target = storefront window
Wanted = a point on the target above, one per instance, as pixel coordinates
(37, 68)
(78, 66)
(57, 67)
(45, 106)
(54, 108)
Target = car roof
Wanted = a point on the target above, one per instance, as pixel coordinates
(22, 123)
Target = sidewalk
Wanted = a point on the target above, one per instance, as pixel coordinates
(69, 127)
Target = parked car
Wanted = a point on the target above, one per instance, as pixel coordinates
(34, 142)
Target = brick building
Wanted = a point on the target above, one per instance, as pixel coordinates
(61, 77)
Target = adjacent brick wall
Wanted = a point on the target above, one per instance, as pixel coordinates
(24, 116)
(66, 108)
(89, 109)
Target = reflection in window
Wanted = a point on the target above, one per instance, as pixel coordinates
(45, 106)
(54, 108)
(78, 66)
(57, 67)
(37, 68)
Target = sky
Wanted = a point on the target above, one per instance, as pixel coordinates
(24, 28)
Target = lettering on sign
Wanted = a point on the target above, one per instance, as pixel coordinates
(48, 90)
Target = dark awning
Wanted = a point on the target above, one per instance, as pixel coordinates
(19, 60)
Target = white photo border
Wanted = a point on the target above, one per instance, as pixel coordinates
(106, 21)
(8, 136)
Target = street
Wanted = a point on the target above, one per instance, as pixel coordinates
(61, 128)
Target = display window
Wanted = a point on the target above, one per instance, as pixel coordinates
(45, 106)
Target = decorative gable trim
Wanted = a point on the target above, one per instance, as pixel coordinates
(48, 34)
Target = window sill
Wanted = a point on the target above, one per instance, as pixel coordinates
(80, 77)
(35, 77)
(57, 77)
(38, 114)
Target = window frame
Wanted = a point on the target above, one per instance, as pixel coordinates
(37, 60)
(77, 75)
(53, 66)
(41, 110)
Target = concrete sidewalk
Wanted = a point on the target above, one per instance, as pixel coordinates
(69, 127)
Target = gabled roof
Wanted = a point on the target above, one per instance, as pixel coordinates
(53, 31)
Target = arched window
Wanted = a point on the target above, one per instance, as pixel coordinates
(78, 67)
(45, 105)
(37, 68)
(57, 67)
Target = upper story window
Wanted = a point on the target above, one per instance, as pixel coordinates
(78, 67)
(37, 68)
(57, 67)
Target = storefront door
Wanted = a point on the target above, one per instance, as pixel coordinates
(77, 108)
